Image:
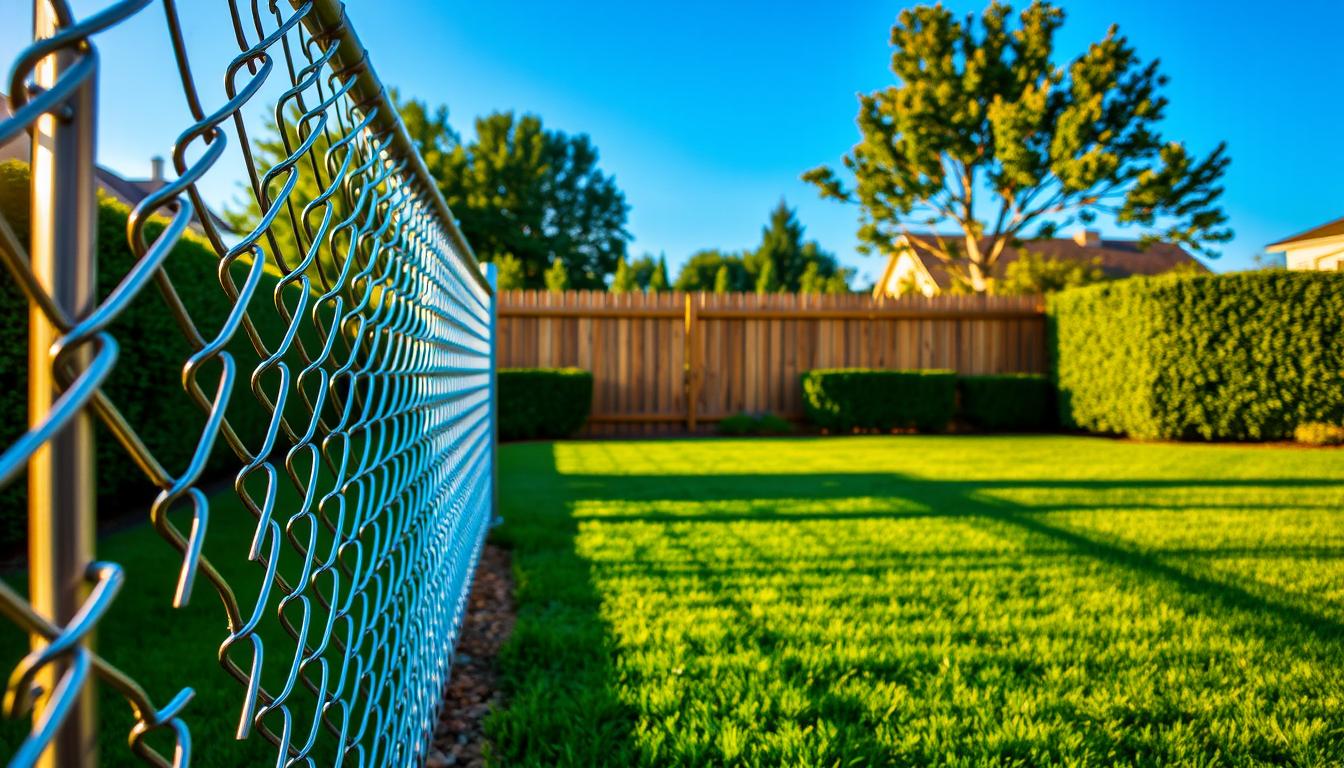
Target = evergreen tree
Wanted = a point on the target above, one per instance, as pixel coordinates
(838, 283)
(510, 275)
(812, 281)
(722, 280)
(557, 277)
(980, 108)
(658, 281)
(766, 281)
(624, 279)
(789, 256)
(643, 268)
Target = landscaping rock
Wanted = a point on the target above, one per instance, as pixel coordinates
(472, 691)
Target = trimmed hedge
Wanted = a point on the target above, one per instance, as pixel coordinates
(1011, 401)
(543, 402)
(740, 424)
(848, 398)
(1247, 356)
(146, 384)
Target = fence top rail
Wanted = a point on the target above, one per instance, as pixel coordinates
(876, 313)
(330, 28)
(750, 306)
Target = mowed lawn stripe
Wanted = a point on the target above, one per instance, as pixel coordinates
(903, 600)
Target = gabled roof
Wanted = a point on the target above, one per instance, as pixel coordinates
(1116, 258)
(1332, 229)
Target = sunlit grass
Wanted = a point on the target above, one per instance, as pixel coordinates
(923, 601)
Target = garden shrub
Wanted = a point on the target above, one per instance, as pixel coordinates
(848, 398)
(1012, 401)
(1315, 433)
(754, 424)
(543, 402)
(1246, 356)
(146, 384)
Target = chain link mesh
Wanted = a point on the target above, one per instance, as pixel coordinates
(377, 397)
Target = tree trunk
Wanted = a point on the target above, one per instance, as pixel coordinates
(979, 276)
(975, 266)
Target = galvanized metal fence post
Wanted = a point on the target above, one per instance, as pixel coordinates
(60, 474)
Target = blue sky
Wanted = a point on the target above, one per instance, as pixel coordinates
(707, 112)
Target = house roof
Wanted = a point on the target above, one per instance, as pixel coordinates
(1332, 229)
(128, 191)
(1116, 258)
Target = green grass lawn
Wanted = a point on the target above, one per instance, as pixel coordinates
(166, 649)
(923, 601)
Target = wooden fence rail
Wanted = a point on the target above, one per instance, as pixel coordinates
(677, 362)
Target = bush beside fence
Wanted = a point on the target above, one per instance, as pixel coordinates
(543, 402)
(1006, 402)
(843, 399)
(1247, 356)
(146, 384)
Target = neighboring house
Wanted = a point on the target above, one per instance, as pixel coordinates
(912, 269)
(128, 191)
(1319, 248)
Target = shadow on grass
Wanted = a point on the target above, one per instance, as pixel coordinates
(564, 701)
(557, 669)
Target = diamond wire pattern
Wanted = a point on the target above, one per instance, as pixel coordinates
(379, 397)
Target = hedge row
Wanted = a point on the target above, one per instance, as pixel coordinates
(543, 402)
(843, 399)
(848, 398)
(1007, 402)
(1248, 356)
(146, 384)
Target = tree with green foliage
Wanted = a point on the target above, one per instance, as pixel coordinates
(813, 281)
(510, 274)
(642, 267)
(557, 278)
(517, 189)
(658, 281)
(722, 279)
(767, 281)
(1032, 273)
(535, 193)
(787, 256)
(701, 273)
(982, 122)
(624, 280)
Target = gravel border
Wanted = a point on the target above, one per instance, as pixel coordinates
(472, 689)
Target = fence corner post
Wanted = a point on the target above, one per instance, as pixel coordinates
(491, 273)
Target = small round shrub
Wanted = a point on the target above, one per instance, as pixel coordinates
(1317, 433)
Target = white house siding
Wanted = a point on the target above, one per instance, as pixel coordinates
(1319, 255)
(906, 272)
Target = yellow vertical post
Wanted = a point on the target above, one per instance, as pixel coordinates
(60, 474)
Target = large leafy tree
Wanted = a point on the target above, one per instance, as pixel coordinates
(525, 197)
(1033, 273)
(537, 194)
(985, 133)
(701, 272)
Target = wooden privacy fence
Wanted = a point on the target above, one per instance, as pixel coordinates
(679, 361)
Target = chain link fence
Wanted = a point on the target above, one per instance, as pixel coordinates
(345, 390)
